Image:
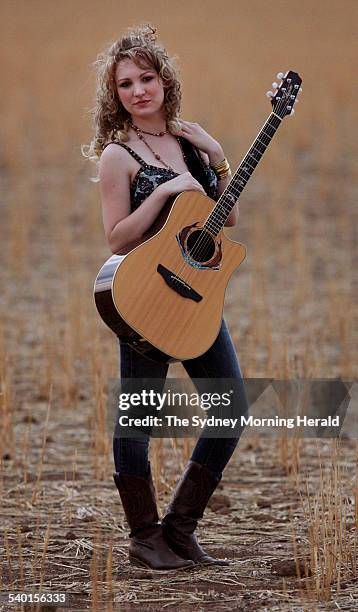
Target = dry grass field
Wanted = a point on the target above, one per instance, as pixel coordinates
(287, 513)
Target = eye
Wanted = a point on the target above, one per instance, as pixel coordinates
(124, 84)
(148, 78)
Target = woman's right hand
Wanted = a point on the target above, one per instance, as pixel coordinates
(183, 182)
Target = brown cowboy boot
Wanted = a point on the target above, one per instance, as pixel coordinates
(188, 504)
(147, 547)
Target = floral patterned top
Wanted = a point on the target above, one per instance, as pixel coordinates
(149, 177)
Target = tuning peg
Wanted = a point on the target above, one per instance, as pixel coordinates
(274, 85)
(269, 94)
(280, 75)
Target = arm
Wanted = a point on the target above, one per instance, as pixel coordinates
(215, 157)
(214, 154)
(125, 229)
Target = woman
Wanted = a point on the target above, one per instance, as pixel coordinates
(148, 154)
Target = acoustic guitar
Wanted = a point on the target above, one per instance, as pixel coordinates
(166, 296)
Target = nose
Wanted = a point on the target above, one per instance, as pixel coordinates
(138, 89)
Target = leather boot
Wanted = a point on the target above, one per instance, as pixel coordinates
(147, 547)
(187, 506)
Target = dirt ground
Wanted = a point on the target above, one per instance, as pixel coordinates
(65, 530)
(286, 511)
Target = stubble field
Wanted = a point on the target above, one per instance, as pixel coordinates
(287, 510)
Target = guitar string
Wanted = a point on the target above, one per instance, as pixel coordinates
(201, 241)
(204, 239)
(216, 218)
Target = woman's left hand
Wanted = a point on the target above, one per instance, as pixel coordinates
(199, 138)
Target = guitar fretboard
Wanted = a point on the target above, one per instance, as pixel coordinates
(217, 218)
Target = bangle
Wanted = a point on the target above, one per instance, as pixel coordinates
(221, 177)
(222, 169)
(223, 174)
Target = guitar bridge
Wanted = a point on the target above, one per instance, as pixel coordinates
(178, 284)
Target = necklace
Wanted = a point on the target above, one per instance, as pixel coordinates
(140, 134)
(140, 131)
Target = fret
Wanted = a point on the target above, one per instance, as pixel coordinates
(245, 166)
(259, 149)
(275, 119)
(255, 154)
(224, 207)
(269, 136)
(217, 217)
(229, 197)
(264, 144)
(244, 169)
(259, 146)
(218, 214)
(241, 182)
(265, 139)
(266, 131)
(233, 190)
(256, 161)
(272, 126)
(238, 181)
(237, 189)
(214, 230)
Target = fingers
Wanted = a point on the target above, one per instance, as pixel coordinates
(187, 124)
(192, 183)
(199, 187)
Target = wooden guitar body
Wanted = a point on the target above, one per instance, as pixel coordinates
(171, 288)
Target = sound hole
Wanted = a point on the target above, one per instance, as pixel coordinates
(200, 246)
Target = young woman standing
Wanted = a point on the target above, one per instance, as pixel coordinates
(146, 155)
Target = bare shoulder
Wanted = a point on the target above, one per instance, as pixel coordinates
(114, 161)
(113, 153)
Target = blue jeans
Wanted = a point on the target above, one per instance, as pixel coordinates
(219, 361)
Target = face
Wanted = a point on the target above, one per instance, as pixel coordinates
(140, 90)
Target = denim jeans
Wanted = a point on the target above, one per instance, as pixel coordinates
(219, 361)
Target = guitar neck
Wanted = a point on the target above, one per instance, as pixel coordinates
(217, 218)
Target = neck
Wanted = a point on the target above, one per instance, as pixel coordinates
(150, 124)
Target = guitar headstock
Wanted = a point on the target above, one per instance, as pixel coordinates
(285, 96)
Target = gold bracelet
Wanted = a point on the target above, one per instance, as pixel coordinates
(222, 169)
(224, 175)
(224, 164)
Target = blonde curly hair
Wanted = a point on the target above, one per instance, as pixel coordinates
(111, 119)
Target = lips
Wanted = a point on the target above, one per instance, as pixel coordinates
(141, 102)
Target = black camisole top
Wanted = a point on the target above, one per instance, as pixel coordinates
(149, 177)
